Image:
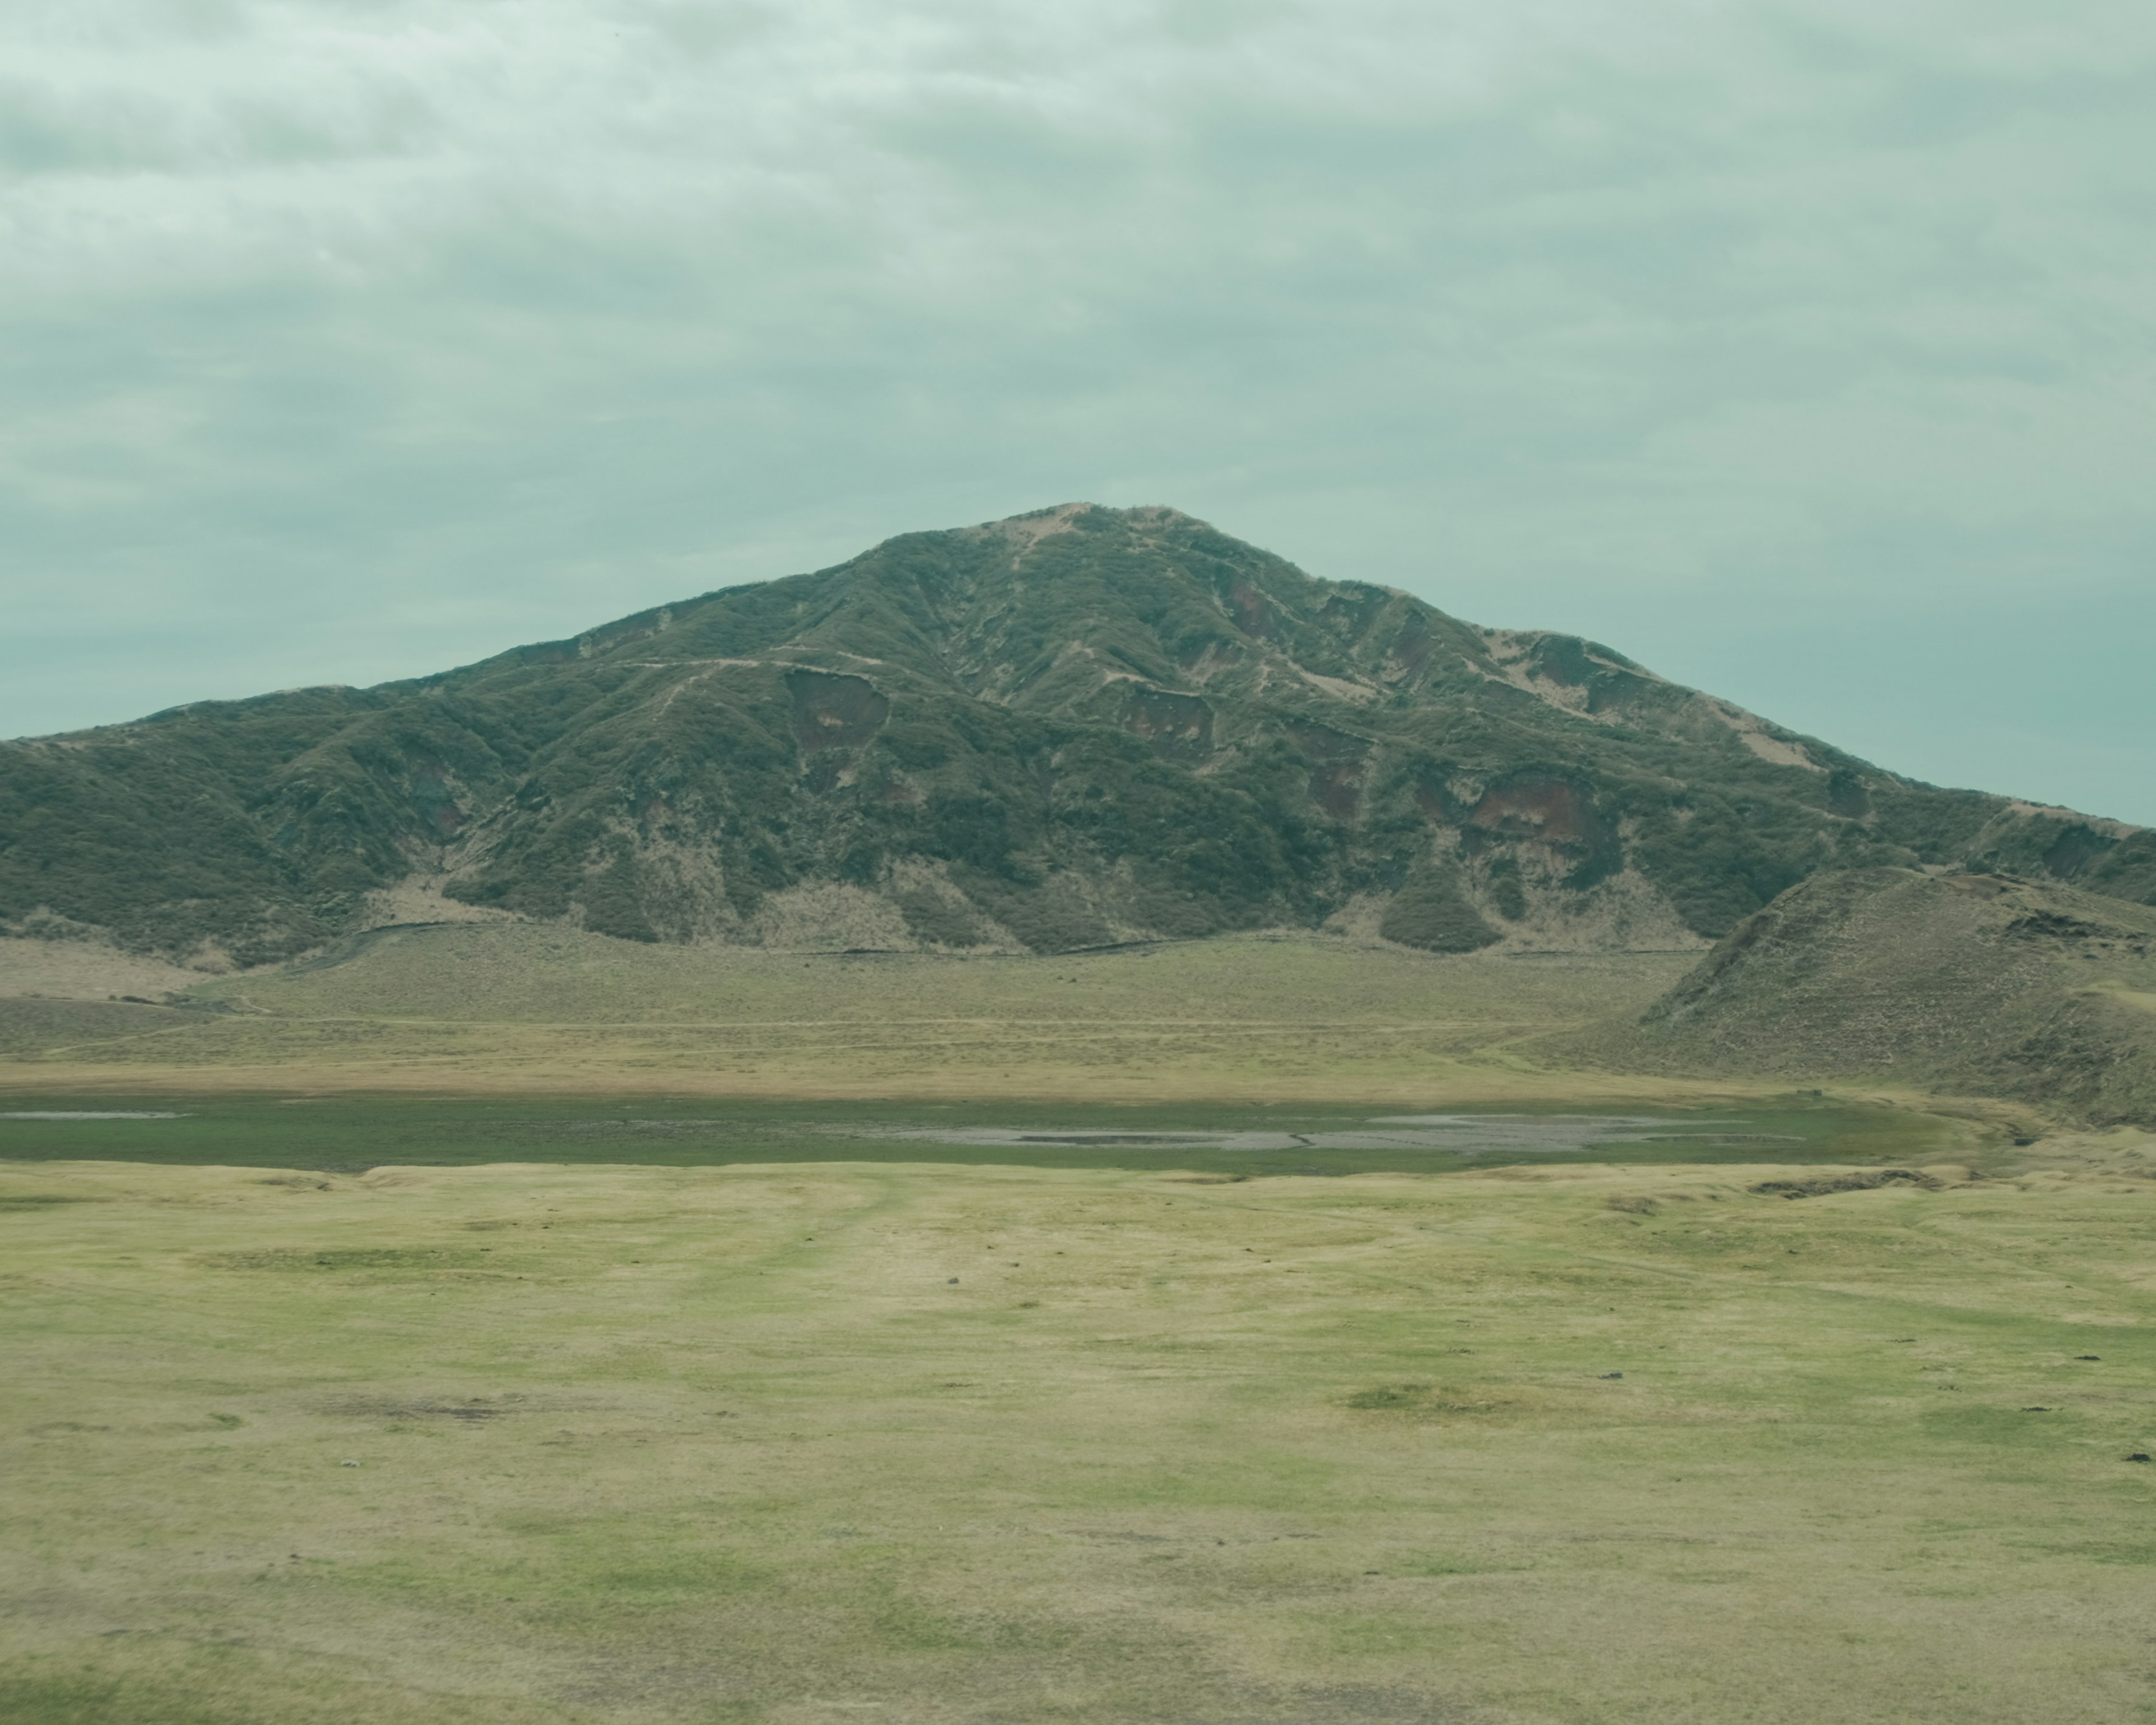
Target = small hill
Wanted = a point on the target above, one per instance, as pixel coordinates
(1980, 984)
(1072, 728)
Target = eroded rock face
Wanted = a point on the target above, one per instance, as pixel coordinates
(1555, 811)
(1179, 727)
(1338, 765)
(1085, 725)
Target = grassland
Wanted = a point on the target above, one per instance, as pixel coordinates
(519, 1007)
(921, 1443)
(515, 1325)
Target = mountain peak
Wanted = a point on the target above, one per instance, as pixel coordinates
(1076, 725)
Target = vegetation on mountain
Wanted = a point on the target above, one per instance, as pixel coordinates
(1067, 729)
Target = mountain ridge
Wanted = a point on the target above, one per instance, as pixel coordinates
(1071, 727)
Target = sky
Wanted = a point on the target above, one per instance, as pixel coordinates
(1804, 351)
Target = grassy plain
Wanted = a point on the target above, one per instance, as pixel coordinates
(519, 1007)
(926, 1444)
(671, 1393)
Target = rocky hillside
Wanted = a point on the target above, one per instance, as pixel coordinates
(1063, 730)
(1971, 983)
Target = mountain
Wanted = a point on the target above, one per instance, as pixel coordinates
(1981, 984)
(1073, 727)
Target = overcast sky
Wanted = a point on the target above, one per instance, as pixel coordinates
(1803, 351)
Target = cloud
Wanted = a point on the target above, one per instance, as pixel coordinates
(341, 339)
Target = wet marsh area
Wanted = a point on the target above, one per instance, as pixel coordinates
(337, 1133)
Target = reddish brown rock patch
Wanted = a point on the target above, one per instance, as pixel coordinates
(1179, 727)
(1551, 809)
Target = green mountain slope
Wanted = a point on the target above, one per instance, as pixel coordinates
(1069, 728)
(1982, 983)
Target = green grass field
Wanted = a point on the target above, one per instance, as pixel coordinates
(509, 1325)
(923, 1442)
